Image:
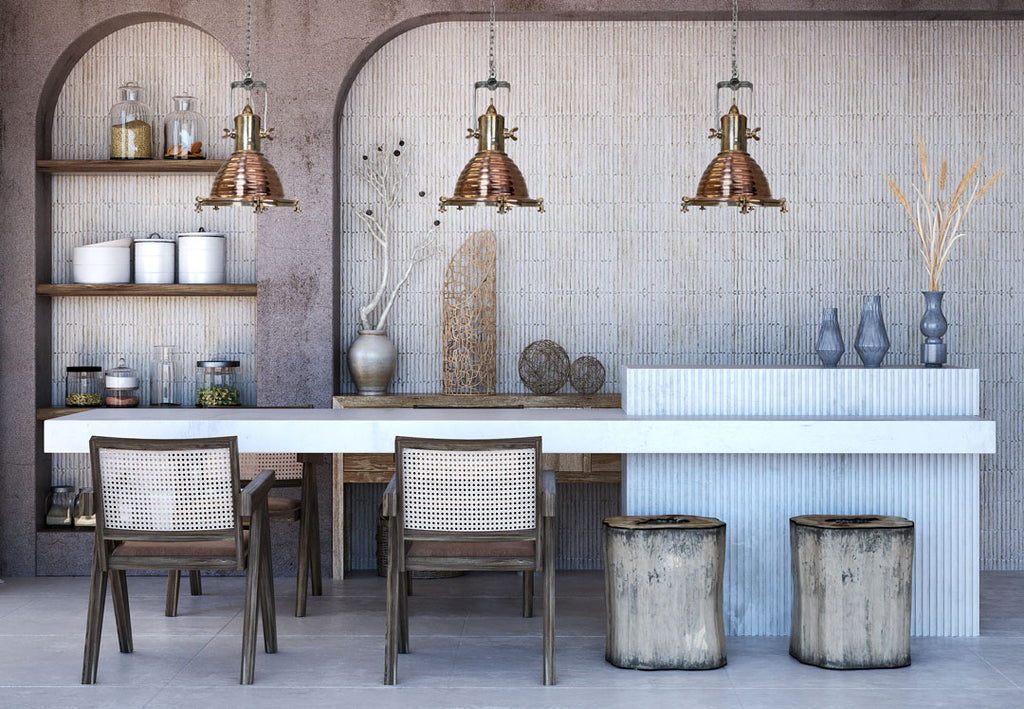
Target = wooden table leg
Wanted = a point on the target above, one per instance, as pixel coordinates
(338, 518)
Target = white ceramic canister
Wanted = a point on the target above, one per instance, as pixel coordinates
(201, 256)
(106, 262)
(154, 260)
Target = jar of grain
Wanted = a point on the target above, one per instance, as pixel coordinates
(122, 386)
(82, 386)
(131, 125)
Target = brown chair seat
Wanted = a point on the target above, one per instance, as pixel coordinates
(283, 506)
(469, 549)
(219, 548)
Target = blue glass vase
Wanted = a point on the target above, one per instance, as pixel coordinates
(872, 341)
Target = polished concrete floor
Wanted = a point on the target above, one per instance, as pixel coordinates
(469, 648)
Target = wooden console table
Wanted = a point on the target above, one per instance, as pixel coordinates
(379, 467)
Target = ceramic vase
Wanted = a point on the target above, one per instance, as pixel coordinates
(371, 360)
(872, 341)
(829, 345)
(933, 327)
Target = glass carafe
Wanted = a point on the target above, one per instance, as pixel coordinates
(131, 125)
(184, 131)
(163, 380)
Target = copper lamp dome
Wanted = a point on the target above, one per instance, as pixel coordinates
(491, 177)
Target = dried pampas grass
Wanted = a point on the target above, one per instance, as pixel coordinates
(936, 218)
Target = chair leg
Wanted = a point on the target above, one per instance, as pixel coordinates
(549, 601)
(267, 603)
(195, 583)
(403, 612)
(391, 623)
(528, 593)
(312, 510)
(252, 598)
(94, 621)
(171, 604)
(122, 615)
(302, 575)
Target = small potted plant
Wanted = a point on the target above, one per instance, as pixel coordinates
(938, 217)
(372, 356)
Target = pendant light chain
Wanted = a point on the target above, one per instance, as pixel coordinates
(492, 77)
(735, 25)
(248, 42)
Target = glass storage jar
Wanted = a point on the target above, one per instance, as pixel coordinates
(121, 386)
(131, 125)
(218, 383)
(184, 131)
(163, 380)
(82, 386)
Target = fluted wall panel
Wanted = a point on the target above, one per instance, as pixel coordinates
(167, 59)
(612, 119)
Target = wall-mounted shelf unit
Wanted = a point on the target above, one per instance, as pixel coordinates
(150, 289)
(99, 167)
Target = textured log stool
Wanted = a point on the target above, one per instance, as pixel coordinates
(663, 592)
(851, 590)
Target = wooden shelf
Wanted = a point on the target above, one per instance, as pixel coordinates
(479, 401)
(53, 412)
(159, 289)
(92, 167)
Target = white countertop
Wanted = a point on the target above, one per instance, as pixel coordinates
(563, 430)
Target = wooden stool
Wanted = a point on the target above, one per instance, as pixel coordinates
(663, 592)
(851, 590)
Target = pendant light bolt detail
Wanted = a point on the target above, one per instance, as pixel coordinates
(491, 177)
(733, 178)
(247, 178)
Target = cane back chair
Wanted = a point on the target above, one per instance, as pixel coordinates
(290, 470)
(468, 505)
(176, 504)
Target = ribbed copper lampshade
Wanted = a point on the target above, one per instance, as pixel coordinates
(734, 178)
(247, 178)
(491, 177)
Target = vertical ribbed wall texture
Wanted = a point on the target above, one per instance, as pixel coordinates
(167, 59)
(613, 118)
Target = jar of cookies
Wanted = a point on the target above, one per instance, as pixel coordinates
(184, 131)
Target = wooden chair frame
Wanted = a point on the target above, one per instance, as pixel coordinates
(252, 557)
(309, 576)
(399, 564)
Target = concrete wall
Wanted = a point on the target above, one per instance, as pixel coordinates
(309, 52)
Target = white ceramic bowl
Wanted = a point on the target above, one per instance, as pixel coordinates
(101, 264)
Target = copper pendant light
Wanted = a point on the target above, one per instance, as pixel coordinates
(491, 178)
(247, 178)
(733, 178)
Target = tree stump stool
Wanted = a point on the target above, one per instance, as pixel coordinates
(663, 592)
(851, 590)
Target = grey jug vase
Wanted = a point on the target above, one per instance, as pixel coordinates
(829, 346)
(872, 341)
(933, 327)
(371, 360)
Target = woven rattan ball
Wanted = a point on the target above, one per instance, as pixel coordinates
(544, 367)
(586, 375)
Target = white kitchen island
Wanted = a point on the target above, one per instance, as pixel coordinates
(783, 442)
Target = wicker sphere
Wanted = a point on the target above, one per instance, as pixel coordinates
(586, 375)
(544, 367)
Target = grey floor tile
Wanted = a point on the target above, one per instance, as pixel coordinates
(858, 698)
(92, 696)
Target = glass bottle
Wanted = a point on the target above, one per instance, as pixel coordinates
(184, 131)
(122, 386)
(82, 386)
(131, 125)
(163, 379)
(218, 383)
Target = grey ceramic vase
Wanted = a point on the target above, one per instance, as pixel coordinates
(371, 360)
(872, 341)
(933, 327)
(829, 345)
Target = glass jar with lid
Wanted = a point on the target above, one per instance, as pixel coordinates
(184, 131)
(82, 386)
(218, 383)
(121, 386)
(60, 504)
(131, 125)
